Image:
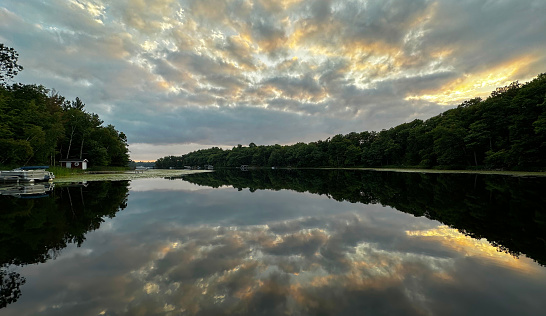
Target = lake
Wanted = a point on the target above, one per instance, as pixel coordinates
(277, 242)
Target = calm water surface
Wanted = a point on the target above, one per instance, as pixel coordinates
(278, 243)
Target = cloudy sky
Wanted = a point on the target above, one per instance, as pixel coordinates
(178, 75)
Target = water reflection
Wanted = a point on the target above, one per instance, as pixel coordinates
(27, 191)
(510, 212)
(183, 249)
(37, 222)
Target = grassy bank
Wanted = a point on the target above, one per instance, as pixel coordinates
(61, 172)
(8, 167)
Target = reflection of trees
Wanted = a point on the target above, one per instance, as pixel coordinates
(10, 283)
(510, 212)
(36, 230)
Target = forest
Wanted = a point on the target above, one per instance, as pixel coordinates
(506, 131)
(38, 126)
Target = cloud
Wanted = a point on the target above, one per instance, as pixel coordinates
(341, 65)
(228, 126)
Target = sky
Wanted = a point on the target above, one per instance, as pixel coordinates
(180, 75)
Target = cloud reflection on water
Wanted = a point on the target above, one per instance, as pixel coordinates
(181, 252)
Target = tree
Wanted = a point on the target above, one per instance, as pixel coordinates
(352, 155)
(478, 139)
(449, 145)
(8, 63)
(276, 158)
(336, 150)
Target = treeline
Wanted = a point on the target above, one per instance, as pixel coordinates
(39, 126)
(505, 131)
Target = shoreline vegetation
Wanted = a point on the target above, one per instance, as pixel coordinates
(66, 172)
(506, 132)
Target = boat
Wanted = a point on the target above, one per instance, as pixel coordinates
(27, 174)
(140, 169)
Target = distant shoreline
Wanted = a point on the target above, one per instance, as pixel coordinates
(497, 172)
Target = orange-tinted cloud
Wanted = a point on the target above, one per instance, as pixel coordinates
(478, 84)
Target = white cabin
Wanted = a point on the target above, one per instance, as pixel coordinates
(75, 164)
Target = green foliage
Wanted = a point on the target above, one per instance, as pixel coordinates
(14, 151)
(60, 172)
(8, 63)
(505, 131)
(39, 126)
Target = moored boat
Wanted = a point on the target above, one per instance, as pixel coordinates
(27, 174)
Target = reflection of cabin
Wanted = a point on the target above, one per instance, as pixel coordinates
(74, 164)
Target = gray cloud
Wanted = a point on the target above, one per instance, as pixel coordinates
(196, 71)
(486, 34)
(226, 126)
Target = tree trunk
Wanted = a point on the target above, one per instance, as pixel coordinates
(465, 155)
(81, 147)
(70, 142)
